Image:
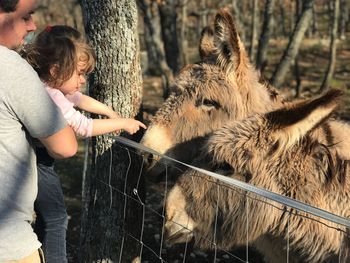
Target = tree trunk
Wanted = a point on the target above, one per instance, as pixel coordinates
(265, 34)
(203, 16)
(183, 33)
(168, 19)
(292, 15)
(111, 215)
(333, 48)
(283, 18)
(157, 64)
(344, 18)
(298, 86)
(313, 28)
(239, 21)
(294, 43)
(254, 28)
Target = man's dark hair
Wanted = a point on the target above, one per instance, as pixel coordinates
(8, 5)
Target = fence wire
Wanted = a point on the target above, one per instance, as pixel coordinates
(153, 246)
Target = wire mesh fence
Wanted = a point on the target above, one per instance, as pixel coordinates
(207, 232)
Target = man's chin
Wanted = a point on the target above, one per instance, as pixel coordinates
(18, 47)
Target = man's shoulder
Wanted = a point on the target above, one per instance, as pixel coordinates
(10, 55)
(17, 74)
(15, 64)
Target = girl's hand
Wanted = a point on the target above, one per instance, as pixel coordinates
(131, 126)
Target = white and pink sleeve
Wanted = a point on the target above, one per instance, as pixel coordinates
(74, 98)
(81, 124)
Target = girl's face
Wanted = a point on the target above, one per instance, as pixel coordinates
(75, 82)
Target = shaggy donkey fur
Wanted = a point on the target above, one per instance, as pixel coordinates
(222, 87)
(274, 151)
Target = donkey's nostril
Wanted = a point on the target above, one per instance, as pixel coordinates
(149, 160)
(153, 167)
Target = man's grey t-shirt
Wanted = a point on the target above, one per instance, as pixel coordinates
(26, 111)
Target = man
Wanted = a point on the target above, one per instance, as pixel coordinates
(26, 112)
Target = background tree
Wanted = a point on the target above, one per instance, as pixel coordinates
(68, 13)
(111, 27)
(261, 59)
(332, 47)
(344, 17)
(239, 21)
(313, 28)
(296, 68)
(203, 15)
(283, 18)
(294, 43)
(254, 29)
(168, 19)
(157, 64)
(183, 43)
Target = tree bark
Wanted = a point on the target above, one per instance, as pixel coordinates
(294, 43)
(265, 34)
(110, 215)
(332, 48)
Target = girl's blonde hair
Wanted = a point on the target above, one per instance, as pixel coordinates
(56, 52)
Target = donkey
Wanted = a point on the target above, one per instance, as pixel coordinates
(223, 86)
(276, 151)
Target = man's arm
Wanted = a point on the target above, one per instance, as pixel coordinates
(61, 144)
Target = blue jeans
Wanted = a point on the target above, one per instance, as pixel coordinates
(52, 220)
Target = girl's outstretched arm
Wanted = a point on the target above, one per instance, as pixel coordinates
(102, 126)
(91, 105)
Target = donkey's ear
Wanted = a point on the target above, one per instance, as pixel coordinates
(291, 123)
(206, 44)
(231, 52)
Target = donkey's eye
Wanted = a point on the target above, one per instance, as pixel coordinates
(211, 103)
(224, 169)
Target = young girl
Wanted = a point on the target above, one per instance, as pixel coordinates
(61, 59)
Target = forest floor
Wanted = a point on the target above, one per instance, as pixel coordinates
(313, 62)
